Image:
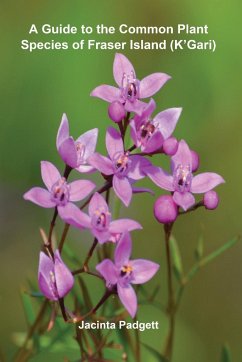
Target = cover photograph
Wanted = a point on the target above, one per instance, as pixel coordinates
(121, 175)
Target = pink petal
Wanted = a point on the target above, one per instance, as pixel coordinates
(121, 66)
(109, 272)
(67, 151)
(133, 133)
(114, 142)
(168, 120)
(136, 106)
(152, 83)
(89, 140)
(63, 131)
(123, 225)
(160, 177)
(74, 216)
(123, 250)
(128, 298)
(80, 189)
(143, 270)
(46, 267)
(137, 166)
(107, 93)
(101, 163)
(102, 235)
(63, 276)
(39, 197)
(205, 182)
(50, 174)
(138, 190)
(85, 169)
(97, 202)
(123, 189)
(185, 200)
(182, 157)
(154, 143)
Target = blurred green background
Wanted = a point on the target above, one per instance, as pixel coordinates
(37, 88)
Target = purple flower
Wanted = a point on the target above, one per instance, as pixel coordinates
(148, 133)
(99, 220)
(130, 88)
(124, 167)
(182, 182)
(75, 153)
(124, 272)
(54, 278)
(59, 193)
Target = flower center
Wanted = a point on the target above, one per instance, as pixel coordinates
(101, 219)
(121, 162)
(126, 274)
(60, 192)
(80, 151)
(182, 178)
(130, 87)
(146, 131)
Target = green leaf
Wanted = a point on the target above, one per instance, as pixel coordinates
(204, 261)
(225, 354)
(199, 249)
(28, 307)
(155, 353)
(176, 257)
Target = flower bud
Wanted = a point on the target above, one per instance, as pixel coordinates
(170, 146)
(195, 161)
(211, 200)
(116, 111)
(165, 209)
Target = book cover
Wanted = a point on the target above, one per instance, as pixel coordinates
(120, 181)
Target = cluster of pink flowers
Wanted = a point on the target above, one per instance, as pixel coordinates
(121, 169)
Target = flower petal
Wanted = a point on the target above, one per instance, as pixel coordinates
(123, 250)
(103, 236)
(39, 197)
(182, 157)
(50, 174)
(74, 216)
(89, 140)
(152, 83)
(101, 163)
(143, 270)
(121, 66)
(114, 142)
(63, 276)
(46, 267)
(136, 106)
(160, 177)
(139, 190)
(67, 151)
(106, 92)
(205, 182)
(167, 121)
(108, 270)
(97, 202)
(185, 200)
(80, 189)
(128, 298)
(154, 143)
(123, 225)
(136, 167)
(85, 169)
(63, 131)
(122, 189)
